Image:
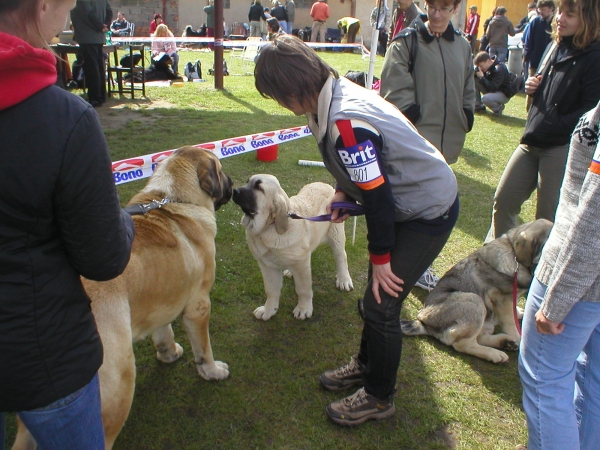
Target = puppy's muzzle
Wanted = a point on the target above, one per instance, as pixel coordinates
(244, 198)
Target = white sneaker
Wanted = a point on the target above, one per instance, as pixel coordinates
(428, 280)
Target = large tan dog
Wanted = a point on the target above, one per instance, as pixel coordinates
(279, 243)
(171, 272)
(476, 295)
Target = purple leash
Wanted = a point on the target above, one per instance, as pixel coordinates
(353, 209)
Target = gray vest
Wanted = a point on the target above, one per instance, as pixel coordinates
(423, 185)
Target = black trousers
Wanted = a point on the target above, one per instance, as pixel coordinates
(381, 340)
(94, 71)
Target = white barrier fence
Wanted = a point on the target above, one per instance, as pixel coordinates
(140, 167)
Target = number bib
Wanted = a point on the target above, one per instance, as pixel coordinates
(362, 165)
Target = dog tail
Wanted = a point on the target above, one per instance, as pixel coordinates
(413, 328)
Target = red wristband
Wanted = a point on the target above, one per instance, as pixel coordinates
(380, 259)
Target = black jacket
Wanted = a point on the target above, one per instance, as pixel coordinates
(497, 78)
(59, 219)
(570, 87)
(279, 13)
(256, 13)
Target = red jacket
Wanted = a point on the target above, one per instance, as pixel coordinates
(319, 11)
(472, 27)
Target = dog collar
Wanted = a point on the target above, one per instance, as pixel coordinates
(141, 208)
(353, 209)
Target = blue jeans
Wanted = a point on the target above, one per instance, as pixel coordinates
(500, 53)
(73, 422)
(175, 58)
(560, 375)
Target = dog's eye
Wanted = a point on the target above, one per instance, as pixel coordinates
(258, 185)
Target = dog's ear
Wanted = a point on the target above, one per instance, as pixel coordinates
(279, 211)
(209, 177)
(529, 242)
(524, 245)
(536, 250)
(542, 233)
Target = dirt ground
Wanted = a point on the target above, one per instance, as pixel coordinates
(116, 114)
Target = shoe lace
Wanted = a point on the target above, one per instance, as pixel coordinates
(352, 366)
(430, 277)
(356, 399)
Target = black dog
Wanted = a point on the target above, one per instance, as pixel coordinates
(190, 32)
(160, 70)
(359, 78)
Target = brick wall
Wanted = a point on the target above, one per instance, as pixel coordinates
(141, 12)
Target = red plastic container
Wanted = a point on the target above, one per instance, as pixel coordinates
(267, 154)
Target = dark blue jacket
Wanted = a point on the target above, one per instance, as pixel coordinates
(536, 38)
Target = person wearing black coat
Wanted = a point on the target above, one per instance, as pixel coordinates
(280, 13)
(566, 85)
(60, 219)
(255, 14)
(493, 80)
(91, 20)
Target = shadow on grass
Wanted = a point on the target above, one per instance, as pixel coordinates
(475, 202)
(508, 121)
(272, 399)
(501, 381)
(244, 103)
(475, 160)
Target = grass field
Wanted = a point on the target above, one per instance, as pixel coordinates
(272, 400)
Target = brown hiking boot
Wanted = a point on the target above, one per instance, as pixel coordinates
(343, 377)
(358, 408)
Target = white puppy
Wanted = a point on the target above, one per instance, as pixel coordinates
(279, 243)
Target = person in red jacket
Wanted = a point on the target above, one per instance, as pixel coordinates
(319, 13)
(472, 27)
(156, 21)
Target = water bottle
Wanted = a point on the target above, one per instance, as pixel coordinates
(108, 38)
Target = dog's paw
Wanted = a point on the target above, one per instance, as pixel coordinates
(217, 371)
(498, 357)
(168, 357)
(344, 283)
(303, 313)
(262, 313)
(510, 346)
(287, 274)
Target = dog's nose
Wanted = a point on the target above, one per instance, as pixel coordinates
(237, 195)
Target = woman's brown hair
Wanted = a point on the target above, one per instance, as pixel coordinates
(288, 69)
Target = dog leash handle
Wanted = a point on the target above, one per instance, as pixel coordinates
(353, 209)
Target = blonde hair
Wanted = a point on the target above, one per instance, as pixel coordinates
(21, 19)
(162, 31)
